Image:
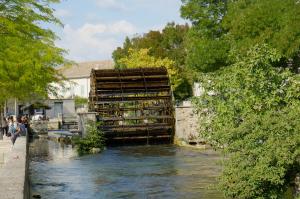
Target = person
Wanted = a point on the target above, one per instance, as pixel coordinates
(9, 125)
(21, 123)
(13, 129)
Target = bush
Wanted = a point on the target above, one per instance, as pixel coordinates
(80, 101)
(253, 115)
(93, 140)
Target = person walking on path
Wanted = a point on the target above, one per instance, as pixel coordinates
(13, 130)
(21, 126)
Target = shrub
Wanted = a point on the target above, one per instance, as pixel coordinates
(253, 115)
(94, 139)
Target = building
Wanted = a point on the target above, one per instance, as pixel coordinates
(61, 105)
(77, 84)
(78, 76)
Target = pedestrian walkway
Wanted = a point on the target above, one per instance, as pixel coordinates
(5, 146)
(12, 168)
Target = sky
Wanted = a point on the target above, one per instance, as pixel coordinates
(94, 28)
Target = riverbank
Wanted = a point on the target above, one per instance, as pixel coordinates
(13, 169)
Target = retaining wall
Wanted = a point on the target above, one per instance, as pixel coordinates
(14, 162)
(186, 124)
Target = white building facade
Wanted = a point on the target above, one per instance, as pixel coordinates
(78, 79)
(76, 85)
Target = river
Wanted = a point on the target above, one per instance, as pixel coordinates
(133, 172)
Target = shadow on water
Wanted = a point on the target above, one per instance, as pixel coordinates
(159, 171)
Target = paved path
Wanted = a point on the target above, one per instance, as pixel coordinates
(12, 168)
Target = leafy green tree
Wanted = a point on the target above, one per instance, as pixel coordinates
(27, 51)
(246, 54)
(274, 22)
(251, 110)
(223, 25)
(169, 43)
(207, 48)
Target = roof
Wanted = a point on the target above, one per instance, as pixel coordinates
(35, 106)
(83, 69)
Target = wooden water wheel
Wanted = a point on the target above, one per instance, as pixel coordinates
(133, 104)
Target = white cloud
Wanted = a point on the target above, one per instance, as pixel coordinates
(122, 27)
(94, 41)
(62, 13)
(110, 4)
(89, 30)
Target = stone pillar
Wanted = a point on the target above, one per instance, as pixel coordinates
(16, 107)
(186, 123)
(83, 119)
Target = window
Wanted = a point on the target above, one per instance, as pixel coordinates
(58, 109)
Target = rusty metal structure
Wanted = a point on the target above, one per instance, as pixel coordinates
(133, 104)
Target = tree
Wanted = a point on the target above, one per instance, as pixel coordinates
(254, 117)
(207, 47)
(222, 25)
(246, 54)
(169, 43)
(141, 58)
(27, 51)
(274, 22)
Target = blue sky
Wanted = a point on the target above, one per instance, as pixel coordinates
(94, 28)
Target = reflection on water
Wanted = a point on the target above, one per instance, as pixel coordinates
(122, 172)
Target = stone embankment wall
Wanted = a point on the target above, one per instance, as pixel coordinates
(186, 129)
(13, 169)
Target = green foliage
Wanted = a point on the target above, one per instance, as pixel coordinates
(94, 139)
(248, 51)
(80, 101)
(27, 51)
(141, 58)
(274, 22)
(206, 45)
(251, 110)
(224, 25)
(168, 44)
(264, 159)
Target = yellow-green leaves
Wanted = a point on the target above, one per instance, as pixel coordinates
(168, 43)
(141, 58)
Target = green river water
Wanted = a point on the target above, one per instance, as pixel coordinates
(133, 172)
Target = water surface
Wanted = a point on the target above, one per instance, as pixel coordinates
(161, 171)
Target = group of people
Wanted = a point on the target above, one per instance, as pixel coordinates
(14, 127)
